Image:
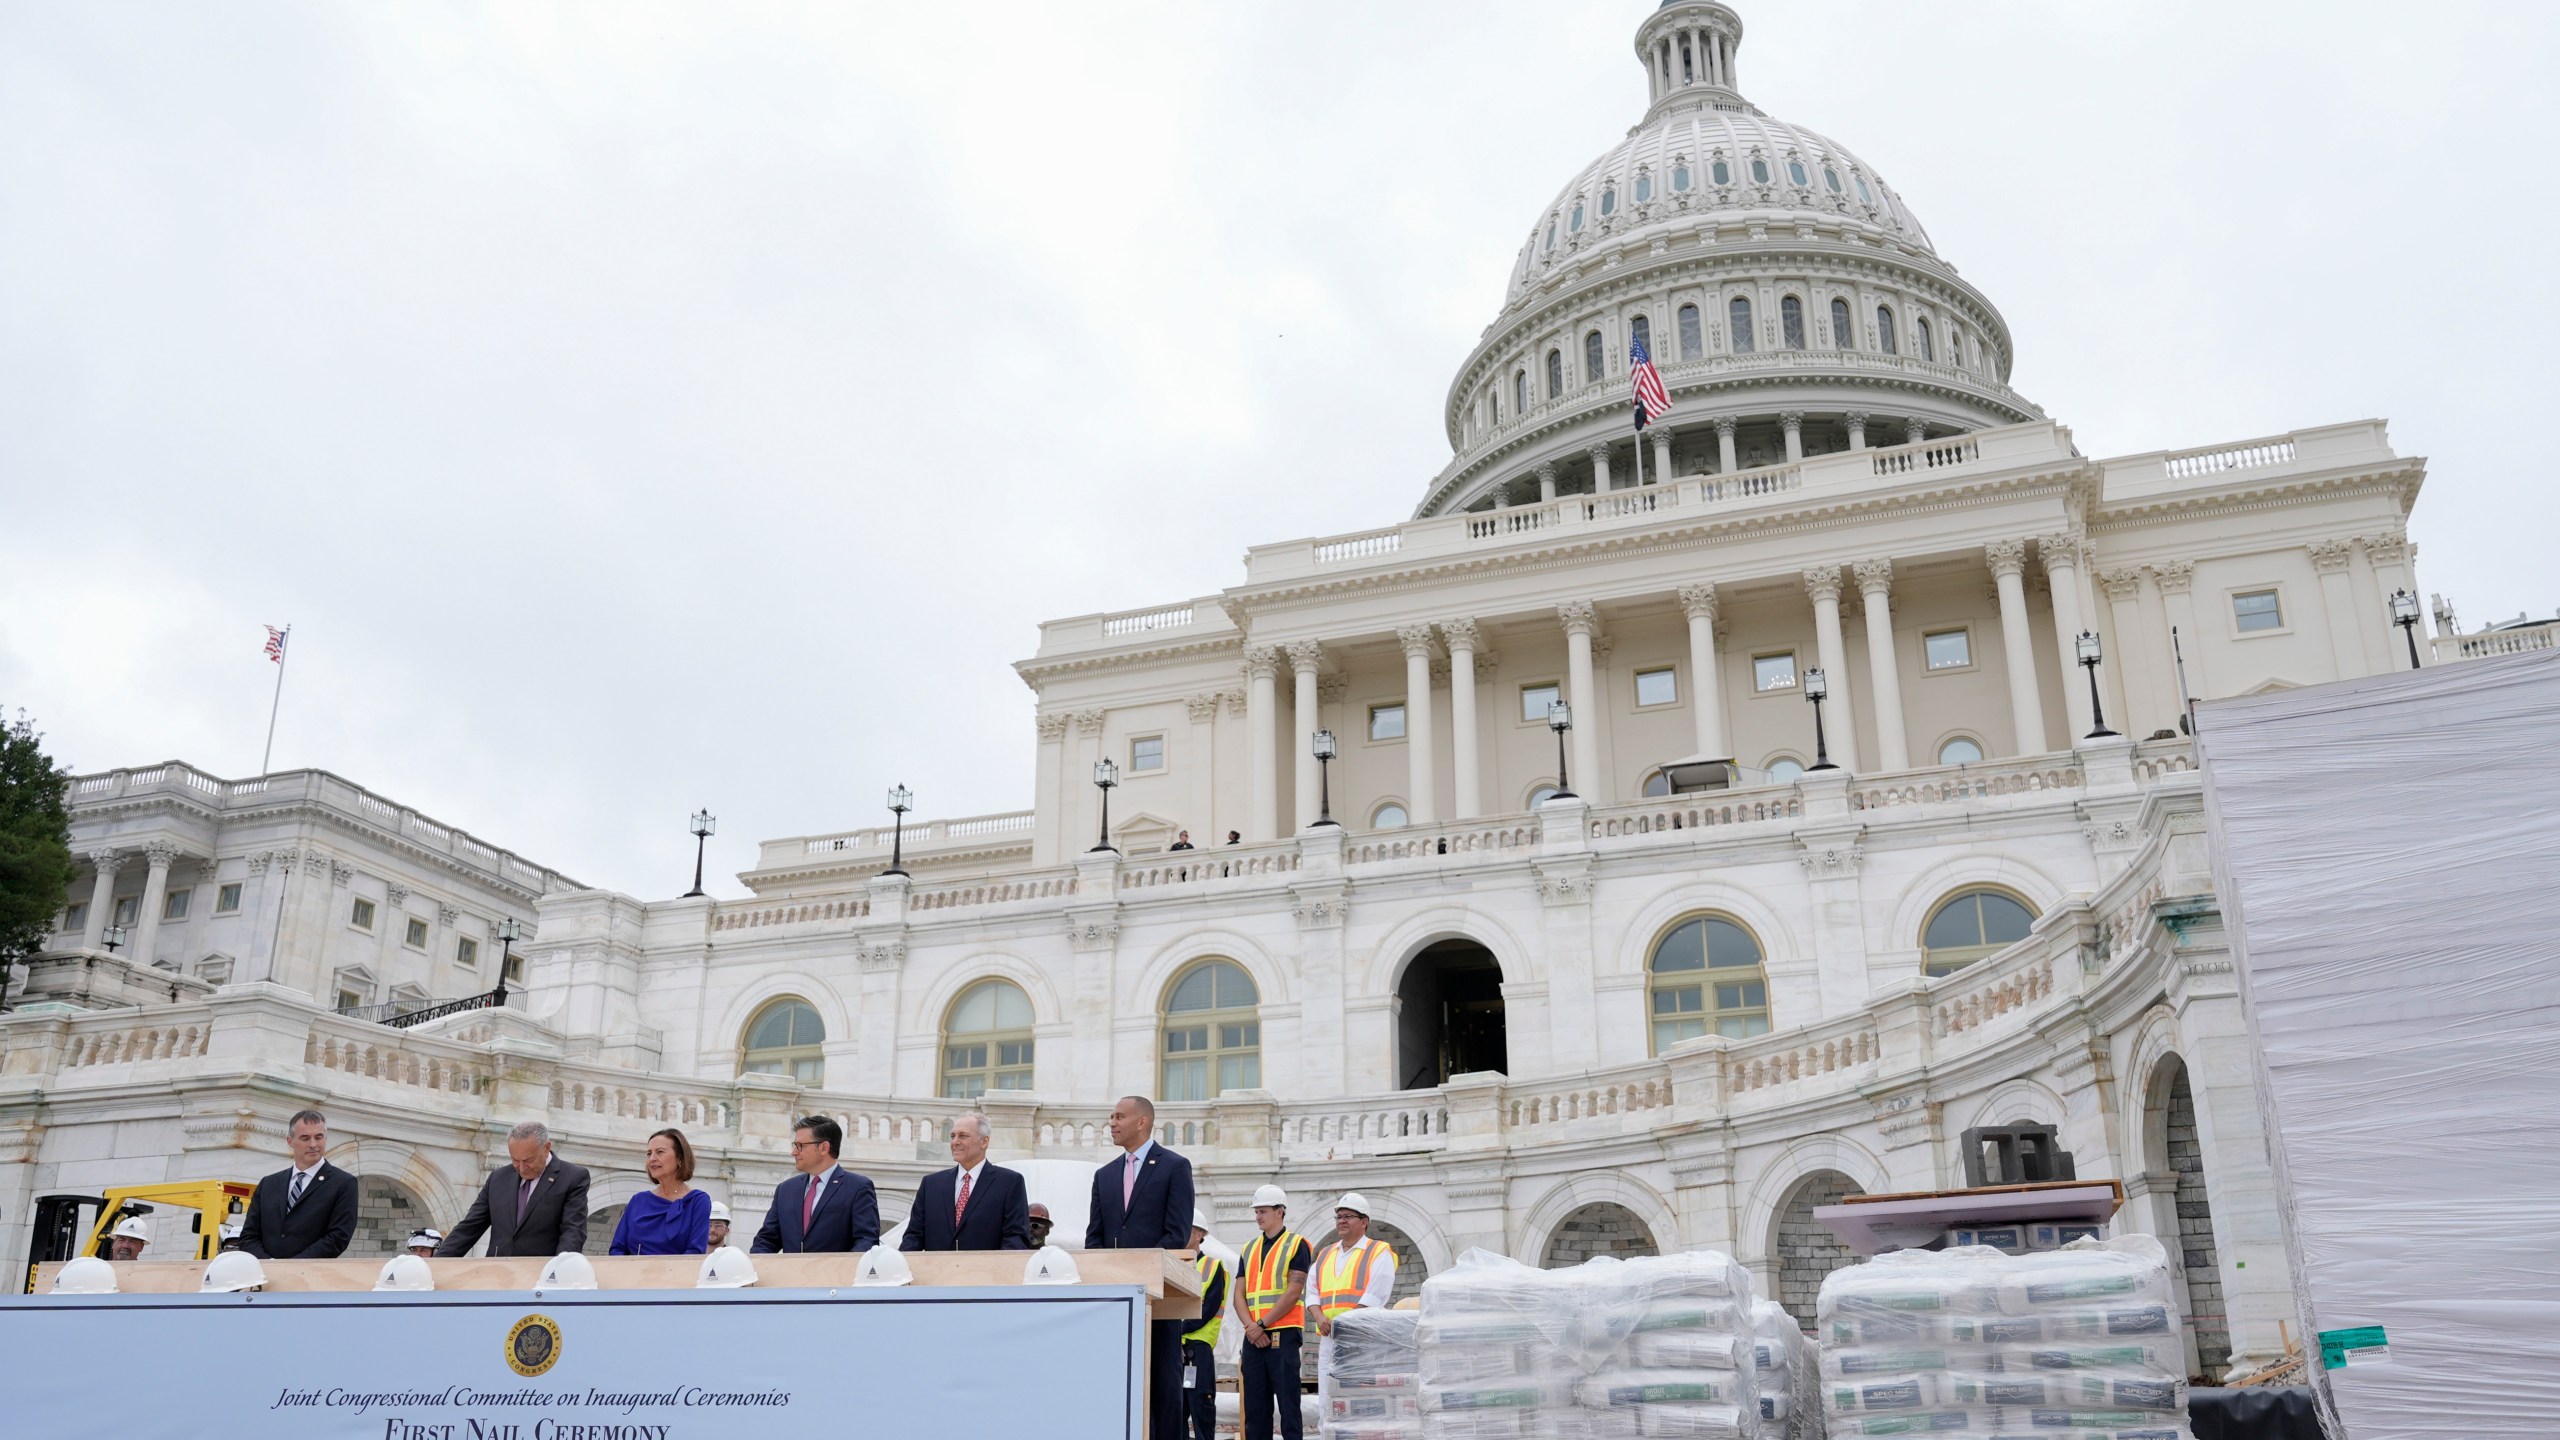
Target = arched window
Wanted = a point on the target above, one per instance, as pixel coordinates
(1519, 392)
(1680, 178)
(1595, 358)
(1644, 188)
(986, 1043)
(1609, 201)
(1884, 330)
(1555, 373)
(1795, 171)
(1657, 785)
(1962, 750)
(1212, 1034)
(783, 1039)
(1707, 980)
(1920, 332)
(1831, 178)
(1785, 770)
(1862, 187)
(1551, 235)
(1739, 315)
(1642, 329)
(1723, 175)
(1759, 171)
(1575, 224)
(1390, 816)
(1844, 336)
(1791, 320)
(1970, 925)
(1692, 340)
(1540, 795)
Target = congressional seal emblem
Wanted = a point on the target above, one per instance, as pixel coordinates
(534, 1345)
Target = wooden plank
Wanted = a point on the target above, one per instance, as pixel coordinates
(2030, 1186)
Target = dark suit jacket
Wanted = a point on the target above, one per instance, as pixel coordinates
(554, 1224)
(1158, 1215)
(848, 1216)
(317, 1229)
(999, 1215)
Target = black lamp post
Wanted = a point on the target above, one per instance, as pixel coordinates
(901, 800)
(1325, 749)
(510, 930)
(1560, 719)
(1816, 686)
(114, 938)
(703, 825)
(1105, 775)
(2090, 655)
(2404, 613)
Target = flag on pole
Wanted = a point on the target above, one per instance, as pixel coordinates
(275, 644)
(1652, 401)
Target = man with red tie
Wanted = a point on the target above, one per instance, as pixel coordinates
(1142, 1201)
(825, 1206)
(973, 1205)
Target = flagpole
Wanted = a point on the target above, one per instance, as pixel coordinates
(284, 651)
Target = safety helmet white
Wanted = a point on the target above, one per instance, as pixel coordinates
(1354, 1202)
(1200, 1220)
(884, 1265)
(1051, 1266)
(131, 1227)
(568, 1270)
(1271, 1195)
(87, 1275)
(234, 1270)
(405, 1272)
(726, 1268)
(229, 1232)
(719, 1212)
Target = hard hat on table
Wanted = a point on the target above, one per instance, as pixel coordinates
(405, 1272)
(87, 1275)
(726, 1268)
(234, 1270)
(568, 1270)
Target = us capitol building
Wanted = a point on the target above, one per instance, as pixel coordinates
(1554, 993)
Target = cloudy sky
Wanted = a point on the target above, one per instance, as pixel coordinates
(636, 407)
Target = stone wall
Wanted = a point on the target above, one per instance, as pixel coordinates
(1600, 1229)
(2205, 1317)
(1807, 1251)
(386, 1214)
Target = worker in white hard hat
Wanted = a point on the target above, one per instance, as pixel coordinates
(1200, 1342)
(125, 1242)
(1270, 1299)
(719, 1224)
(424, 1240)
(227, 1237)
(1354, 1272)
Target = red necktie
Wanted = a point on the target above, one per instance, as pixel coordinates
(808, 1207)
(963, 1207)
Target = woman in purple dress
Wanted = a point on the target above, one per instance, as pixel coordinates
(671, 1217)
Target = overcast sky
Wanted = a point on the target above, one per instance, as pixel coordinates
(639, 407)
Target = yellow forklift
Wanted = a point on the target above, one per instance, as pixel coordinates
(61, 1234)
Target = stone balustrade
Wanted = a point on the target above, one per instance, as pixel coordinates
(1950, 784)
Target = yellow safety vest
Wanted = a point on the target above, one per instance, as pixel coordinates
(1342, 1276)
(1266, 1279)
(1207, 1331)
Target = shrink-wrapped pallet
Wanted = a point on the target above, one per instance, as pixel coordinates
(1785, 1374)
(1372, 1390)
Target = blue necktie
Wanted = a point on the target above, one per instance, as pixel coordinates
(293, 1195)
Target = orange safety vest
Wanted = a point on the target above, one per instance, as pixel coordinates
(1266, 1279)
(1342, 1276)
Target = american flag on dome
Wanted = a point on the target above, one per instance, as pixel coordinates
(275, 644)
(1652, 401)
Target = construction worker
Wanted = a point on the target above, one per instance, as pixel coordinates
(1352, 1273)
(424, 1240)
(1040, 1223)
(125, 1242)
(719, 1224)
(1200, 1342)
(1272, 1305)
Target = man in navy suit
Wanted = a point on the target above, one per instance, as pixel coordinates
(305, 1212)
(1142, 1201)
(973, 1205)
(824, 1207)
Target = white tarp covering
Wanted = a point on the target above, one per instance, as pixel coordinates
(2388, 853)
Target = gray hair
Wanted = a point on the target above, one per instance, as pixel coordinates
(313, 1116)
(985, 1131)
(530, 1130)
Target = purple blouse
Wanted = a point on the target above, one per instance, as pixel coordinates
(652, 1225)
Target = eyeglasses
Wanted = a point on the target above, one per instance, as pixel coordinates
(804, 1144)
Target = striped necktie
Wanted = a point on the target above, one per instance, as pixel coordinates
(293, 1193)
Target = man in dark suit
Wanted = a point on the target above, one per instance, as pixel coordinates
(1142, 1201)
(824, 1207)
(534, 1205)
(973, 1205)
(308, 1210)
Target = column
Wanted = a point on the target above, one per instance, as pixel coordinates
(1706, 677)
(1794, 421)
(2008, 559)
(1840, 727)
(1467, 798)
(2373, 618)
(1914, 430)
(155, 895)
(1546, 482)
(102, 898)
(1088, 725)
(1262, 739)
(2177, 597)
(2389, 554)
(1857, 429)
(1599, 467)
(1662, 455)
(2124, 652)
(1875, 587)
(1305, 657)
(1420, 802)
(1050, 787)
(2061, 553)
(1201, 761)
(1724, 445)
(1581, 622)
(2337, 603)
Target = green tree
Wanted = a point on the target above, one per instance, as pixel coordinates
(35, 842)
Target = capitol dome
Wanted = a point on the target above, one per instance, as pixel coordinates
(1793, 302)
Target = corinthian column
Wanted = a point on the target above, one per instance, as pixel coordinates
(1580, 624)
(2061, 553)
(1262, 738)
(1822, 587)
(1466, 797)
(1599, 468)
(1724, 445)
(1305, 657)
(1423, 806)
(2008, 559)
(102, 898)
(155, 897)
(1875, 586)
(1698, 602)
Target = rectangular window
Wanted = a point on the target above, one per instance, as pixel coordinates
(1146, 753)
(350, 1000)
(226, 901)
(77, 917)
(1386, 722)
(1537, 700)
(173, 906)
(361, 915)
(416, 934)
(1658, 687)
(1773, 672)
(1949, 649)
(514, 968)
(128, 910)
(2257, 610)
(466, 953)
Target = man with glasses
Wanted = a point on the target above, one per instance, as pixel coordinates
(823, 1208)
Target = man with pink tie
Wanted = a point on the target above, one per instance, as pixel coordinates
(1142, 1201)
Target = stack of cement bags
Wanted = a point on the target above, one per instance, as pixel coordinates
(1783, 1370)
(1372, 1385)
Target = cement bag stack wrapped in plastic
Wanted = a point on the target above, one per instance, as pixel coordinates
(1611, 1350)
(2083, 1341)
(1372, 1382)
(1784, 1369)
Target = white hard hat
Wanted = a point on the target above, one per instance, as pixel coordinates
(229, 1232)
(87, 1275)
(131, 1227)
(1200, 1220)
(405, 1272)
(1353, 1201)
(884, 1265)
(234, 1270)
(726, 1268)
(719, 1212)
(1270, 1195)
(425, 1235)
(568, 1270)
(1051, 1266)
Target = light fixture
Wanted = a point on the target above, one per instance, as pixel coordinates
(1105, 775)
(1325, 748)
(114, 938)
(703, 825)
(510, 930)
(1560, 719)
(1816, 686)
(2090, 654)
(2404, 613)
(901, 800)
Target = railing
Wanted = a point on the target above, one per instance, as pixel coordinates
(1359, 547)
(1666, 814)
(1970, 782)
(1750, 484)
(792, 913)
(2249, 455)
(1585, 1101)
(1927, 455)
(1518, 520)
(1172, 617)
(1414, 1121)
(1473, 837)
(414, 1061)
(1192, 867)
(2514, 640)
(163, 1038)
(593, 1097)
(996, 892)
(1788, 1058)
(1992, 987)
(923, 834)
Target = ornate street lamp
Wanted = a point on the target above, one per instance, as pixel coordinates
(510, 930)
(901, 800)
(703, 825)
(1105, 775)
(1325, 749)
(2404, 613)
(114, 938)
(1560, 719)
(2090, 655)
(1816, 686)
